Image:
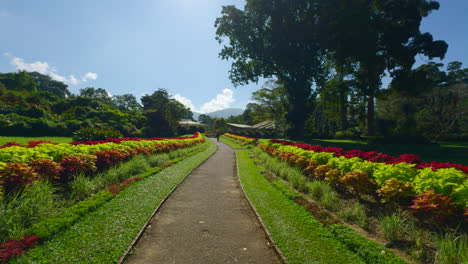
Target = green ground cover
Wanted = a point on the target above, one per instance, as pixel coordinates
(103, 235)
(25, 140)
(455, 152)
(301, 238)
(232, 143)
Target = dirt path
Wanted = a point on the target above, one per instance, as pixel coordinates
(206, 220)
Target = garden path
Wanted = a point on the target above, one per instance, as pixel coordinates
(206, 220)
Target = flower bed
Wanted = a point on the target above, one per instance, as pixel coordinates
(242, 139)
(50, 226)
(438, 190)
(22, 165)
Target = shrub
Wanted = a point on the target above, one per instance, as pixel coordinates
(107, 158)
(434, 205)
(393, 190)
(13, 248)
(358, 182)
(321, 171)
(16, 175)
(78, 163)
(310, 169)
(46, 168)
(333, 176)
(90, 133)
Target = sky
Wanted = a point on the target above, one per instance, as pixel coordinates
(139, 46)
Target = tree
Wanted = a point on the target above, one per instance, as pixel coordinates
(205, 119)
(275, 38)
(46, 83)
(99, 94)
(126, 102)
(392, 39)
(272, 98)
(162, 113)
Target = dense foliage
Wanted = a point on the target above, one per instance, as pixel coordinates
(439, 190)
(33, 104)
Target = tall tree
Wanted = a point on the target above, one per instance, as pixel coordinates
(275, 38)
(162, 113)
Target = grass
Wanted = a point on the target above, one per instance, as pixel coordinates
(452, 249)
(300, 237)
(25, 140)
(232, 143)
(444, 152)
(103, 235)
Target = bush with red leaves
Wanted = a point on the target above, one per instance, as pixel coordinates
(10, 144)
(14, 248)
(435, 205)
(16, 175)
(46, 169)
(108, 158)
(78, 163)
(32, 144)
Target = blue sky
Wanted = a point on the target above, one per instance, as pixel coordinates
(141, 45)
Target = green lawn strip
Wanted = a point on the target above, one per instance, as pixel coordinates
(25, 140)
(301, 238)
(232, 143)
(370, 251)
(103, 235)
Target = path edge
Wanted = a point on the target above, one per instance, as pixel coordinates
(124, 257)
(277, 250)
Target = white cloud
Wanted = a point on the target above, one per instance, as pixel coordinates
(221, 101)
(89, 76)
(44, 68)
(185, 101)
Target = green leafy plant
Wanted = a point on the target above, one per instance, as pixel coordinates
(393, 190)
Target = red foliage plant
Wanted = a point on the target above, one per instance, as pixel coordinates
(78, 163)
(435, 205)
(16, 175)
(118, 187)
(46, 168)
(32, 144)
(13, 248)
(107, 158)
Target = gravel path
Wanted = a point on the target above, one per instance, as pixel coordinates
(206, 220)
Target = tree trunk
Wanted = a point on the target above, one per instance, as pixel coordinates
(298, 93)
(370, 115)
(343, 107)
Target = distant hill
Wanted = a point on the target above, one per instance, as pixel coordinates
(225, 113)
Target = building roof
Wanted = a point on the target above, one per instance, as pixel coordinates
(190, 123)
(262, 125)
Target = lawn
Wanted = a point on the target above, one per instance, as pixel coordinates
(25, 140)
(455, 152)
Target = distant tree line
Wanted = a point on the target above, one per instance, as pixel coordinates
(328, 59)
(33, 104)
